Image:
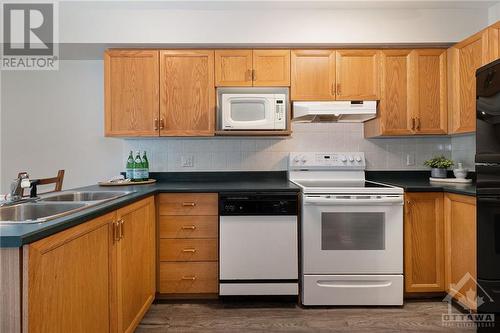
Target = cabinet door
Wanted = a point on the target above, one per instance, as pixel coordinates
(133, 266)
(68, 279)
(493, 42)
(233, 68)
(271, 68)
(429, 96)
(131, 93)
(460, 244)
(313, 75)
(395, 110)
(464, 59)
(187, 93)
(424, 242)
(357, 75)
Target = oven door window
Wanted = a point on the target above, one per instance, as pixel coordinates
(248, 110)
(352, 231)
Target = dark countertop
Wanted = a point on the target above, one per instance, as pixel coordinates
(418, 181)
(16, 235)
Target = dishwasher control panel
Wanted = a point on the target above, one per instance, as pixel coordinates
(258, 204)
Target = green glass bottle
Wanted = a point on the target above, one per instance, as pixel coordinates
(145, 166)
(129, 169)
(137, 168)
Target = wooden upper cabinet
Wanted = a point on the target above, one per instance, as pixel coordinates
(464, 59)
(395, 112)
(133, 270)
(271, 68)
(493, 42)
(460, 245)
(429, 94)
(313, 75)
(131, 92)
(424, 242)
(233, 68)
(187, 93)
(357, 74)
(68, 280)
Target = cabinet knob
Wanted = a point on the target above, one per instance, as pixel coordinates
(189, 250)
(413, 124)
(189, 204)
(339, 90)
(162, 124)
(418, 124)
(156, 124)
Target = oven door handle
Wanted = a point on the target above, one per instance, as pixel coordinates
(354, 284)
(322, 201)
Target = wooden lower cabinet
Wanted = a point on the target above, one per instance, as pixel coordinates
(98, 276)
(424, 242)
(133, 265)
(460, 245)
(188, 244)
(68, 280)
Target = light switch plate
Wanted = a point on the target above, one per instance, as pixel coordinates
(187, 161)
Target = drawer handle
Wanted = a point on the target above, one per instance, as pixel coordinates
(191, 278)
(189, 204)
(189, 250)
(188, 227)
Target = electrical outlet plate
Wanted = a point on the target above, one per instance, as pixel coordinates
(187, 161)
(410, 159)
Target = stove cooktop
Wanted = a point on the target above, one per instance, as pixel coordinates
(339, 186)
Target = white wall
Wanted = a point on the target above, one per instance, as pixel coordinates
(52, 120)
(464, 150)
(494, 14)
(177, 22)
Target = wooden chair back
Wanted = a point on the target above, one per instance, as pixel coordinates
(57, 180)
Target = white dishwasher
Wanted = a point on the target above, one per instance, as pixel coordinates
(258, 244)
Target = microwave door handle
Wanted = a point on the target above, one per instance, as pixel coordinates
(322, 201)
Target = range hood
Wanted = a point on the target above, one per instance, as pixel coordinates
(336, 111)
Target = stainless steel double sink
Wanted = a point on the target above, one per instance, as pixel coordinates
(55, 205)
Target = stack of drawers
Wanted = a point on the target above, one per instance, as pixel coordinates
(188, 244)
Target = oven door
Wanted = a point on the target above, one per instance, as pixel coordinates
(248, 112)
(352, 234)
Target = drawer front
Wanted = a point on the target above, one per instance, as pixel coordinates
(185, 278)
(188, 250)
(188, 226)
(188, 204)
(352, 290)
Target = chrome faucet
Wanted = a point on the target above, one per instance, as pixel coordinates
(17, 187)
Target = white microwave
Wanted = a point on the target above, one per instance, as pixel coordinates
(252, 108)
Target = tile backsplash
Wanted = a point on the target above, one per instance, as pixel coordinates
(247, 154)
(464, 149)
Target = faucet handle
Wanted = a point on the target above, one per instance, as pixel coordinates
(25, 183)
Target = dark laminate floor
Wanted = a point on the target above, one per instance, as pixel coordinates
(415, 316)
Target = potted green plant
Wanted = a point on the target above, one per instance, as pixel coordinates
(438, 166)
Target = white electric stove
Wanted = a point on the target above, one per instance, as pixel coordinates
(352, 232)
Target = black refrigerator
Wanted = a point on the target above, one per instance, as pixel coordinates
(488, 189)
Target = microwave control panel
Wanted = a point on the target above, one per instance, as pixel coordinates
(280, 109)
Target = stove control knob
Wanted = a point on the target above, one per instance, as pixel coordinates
(351, 159)
(296, 159)
(303, 160)
(358, 159)
(343, 158)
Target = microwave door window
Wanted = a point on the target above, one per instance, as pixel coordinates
(352, 231)
(248, 111)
